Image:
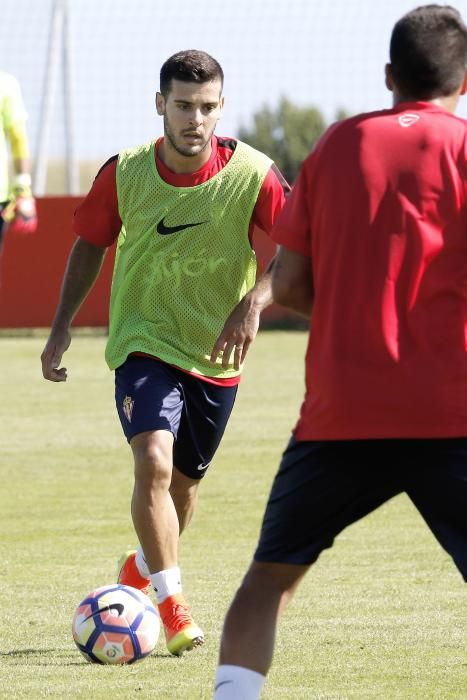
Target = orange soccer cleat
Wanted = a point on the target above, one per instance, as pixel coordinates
(181, 632)
(128, 573)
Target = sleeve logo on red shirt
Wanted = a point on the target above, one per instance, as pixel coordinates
(408, 119)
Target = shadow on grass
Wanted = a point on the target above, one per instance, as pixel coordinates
(42, 657)
(55, 657)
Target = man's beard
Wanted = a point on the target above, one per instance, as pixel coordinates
(187, 153)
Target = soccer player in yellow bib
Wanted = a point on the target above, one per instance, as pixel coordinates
(17, 205)
(182, 210)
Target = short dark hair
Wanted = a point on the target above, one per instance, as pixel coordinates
(428, 52)
(190, 66)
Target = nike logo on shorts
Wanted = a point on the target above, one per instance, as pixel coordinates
(166, 230)
(201, 467)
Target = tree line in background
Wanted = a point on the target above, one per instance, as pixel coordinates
(286, 134)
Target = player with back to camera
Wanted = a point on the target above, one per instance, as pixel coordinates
(17, 205)
(183, 210)
(374, 246)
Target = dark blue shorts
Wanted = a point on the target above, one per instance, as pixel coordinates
(322, 487)
(151, 395)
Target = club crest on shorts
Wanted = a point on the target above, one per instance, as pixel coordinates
(127, 406)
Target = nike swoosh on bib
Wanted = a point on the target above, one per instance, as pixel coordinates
(166, 230)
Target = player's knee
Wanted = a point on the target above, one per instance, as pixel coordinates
(182, 487)
(153, 467)
(276, 580)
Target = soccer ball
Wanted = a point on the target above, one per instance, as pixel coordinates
(116, 625)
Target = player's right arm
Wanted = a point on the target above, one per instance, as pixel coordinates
(83, 267)
(292, 275)
(97, 224)
(292, 284)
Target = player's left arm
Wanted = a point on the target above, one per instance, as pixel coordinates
(242, 324)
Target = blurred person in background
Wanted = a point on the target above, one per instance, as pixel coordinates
(182, 210)
(17, 205)
(374, 249)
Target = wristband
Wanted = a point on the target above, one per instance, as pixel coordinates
(22, 181)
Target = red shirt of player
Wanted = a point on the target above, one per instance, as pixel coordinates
(97, 219)
(380, 207)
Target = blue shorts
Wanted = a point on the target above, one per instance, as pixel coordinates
(324, 486)
(151, 395)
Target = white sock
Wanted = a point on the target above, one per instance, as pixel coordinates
(167, 582)
(140, 562)
(237, 683)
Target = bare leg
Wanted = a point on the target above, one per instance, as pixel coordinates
(184, 492)
(152, 508)
(250, 624)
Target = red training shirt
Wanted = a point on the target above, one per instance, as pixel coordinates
(380, 207)
(97, 219)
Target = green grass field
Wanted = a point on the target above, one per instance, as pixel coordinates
(381, 615)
